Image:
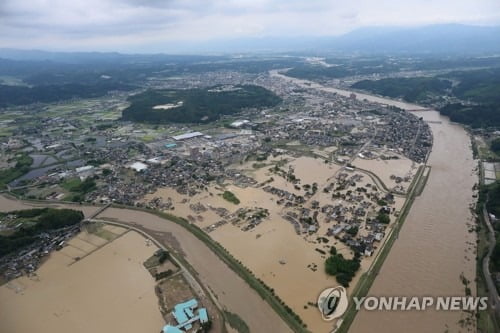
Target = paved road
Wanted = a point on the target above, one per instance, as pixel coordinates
(492, 290)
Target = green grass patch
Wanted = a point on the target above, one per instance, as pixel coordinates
(77, 188)
(229, 196)
(148, 138)
(419, 186)
(236, 322)
(23, 163)
(485, 320)
(258, 165)
(71, 183)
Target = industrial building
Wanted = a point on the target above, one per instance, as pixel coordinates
(185, 315)
(186, 136)
(138, 166)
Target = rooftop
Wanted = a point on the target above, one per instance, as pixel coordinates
(186, 136)
(138, 166)
(171, 329)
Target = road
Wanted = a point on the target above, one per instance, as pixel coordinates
(492, 290)
(189, 277)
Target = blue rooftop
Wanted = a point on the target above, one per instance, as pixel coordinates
(185, 316)
(171, 329)
(203, 315)
(184, 311)
(180, 315)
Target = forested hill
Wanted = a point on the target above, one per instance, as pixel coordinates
(21, 95)
(415, 89)
(473, 99)
(196, 105)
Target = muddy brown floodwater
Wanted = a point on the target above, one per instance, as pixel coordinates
(107, 291)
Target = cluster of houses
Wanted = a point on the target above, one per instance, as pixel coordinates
(27, 261)
(287, 199)
(407, 134)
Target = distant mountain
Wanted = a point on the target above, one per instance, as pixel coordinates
(450, 38)
(101, 57)
(432, 39)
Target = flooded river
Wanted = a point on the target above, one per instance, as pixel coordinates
(434, 246)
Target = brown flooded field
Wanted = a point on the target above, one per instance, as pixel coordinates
(232, 292)
(287, 262)
(384, 169)
(107, 291)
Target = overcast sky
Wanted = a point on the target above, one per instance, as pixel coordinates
(138, 25)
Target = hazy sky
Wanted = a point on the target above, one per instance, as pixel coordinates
(132, 25)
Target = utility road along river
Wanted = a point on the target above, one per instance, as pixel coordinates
(435, 246)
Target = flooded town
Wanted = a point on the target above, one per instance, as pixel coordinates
(320, 170)
(242, 192)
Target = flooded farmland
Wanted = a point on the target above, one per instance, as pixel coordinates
(109, 290)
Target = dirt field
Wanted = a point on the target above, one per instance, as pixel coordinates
(107, 291)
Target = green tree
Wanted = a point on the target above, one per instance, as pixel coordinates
(383, 218)
(495, 145)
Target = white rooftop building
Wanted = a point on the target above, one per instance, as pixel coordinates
(138, 166)
(84, 168)
(186, 136)
(239, 123)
